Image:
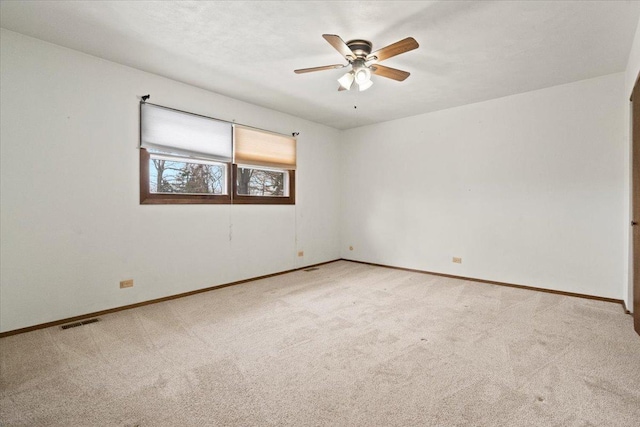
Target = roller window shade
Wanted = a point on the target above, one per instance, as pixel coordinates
(254, 147)
(166, 130)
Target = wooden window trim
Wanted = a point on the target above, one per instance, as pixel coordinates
(148, 198)
(263, 200)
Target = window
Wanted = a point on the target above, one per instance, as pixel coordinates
(261, 182)
(264, 167)
(175, 175)
(263, 186)
(186, 158)
(175, 180)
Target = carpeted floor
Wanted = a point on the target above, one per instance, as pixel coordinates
(345, 345)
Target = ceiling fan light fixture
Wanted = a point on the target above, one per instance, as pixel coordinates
(365, 85)
(362, 75)
(346, 81)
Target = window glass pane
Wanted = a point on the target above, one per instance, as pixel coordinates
(178, 176)
(262, 182)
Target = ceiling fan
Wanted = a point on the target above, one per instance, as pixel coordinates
(363, 62)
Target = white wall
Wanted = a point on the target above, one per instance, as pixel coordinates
(630, 76)
(528, 189)
(72, 226)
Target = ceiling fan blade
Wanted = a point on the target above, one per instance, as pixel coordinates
(394, 49)
(388, 72)
(326, 67)
(340, 46)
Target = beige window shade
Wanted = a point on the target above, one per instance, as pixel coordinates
(256, 147)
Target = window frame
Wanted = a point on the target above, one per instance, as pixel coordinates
(231, 197)
(241, 199)
(149, 198)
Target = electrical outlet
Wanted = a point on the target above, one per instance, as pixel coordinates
(126, 284)
(457, 260)
(300, 253)
(350, 248)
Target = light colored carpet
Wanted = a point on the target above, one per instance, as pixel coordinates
(346, 345)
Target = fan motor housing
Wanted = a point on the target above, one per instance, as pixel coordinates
(361, 48)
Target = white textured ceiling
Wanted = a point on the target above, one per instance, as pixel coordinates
(469, 51)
